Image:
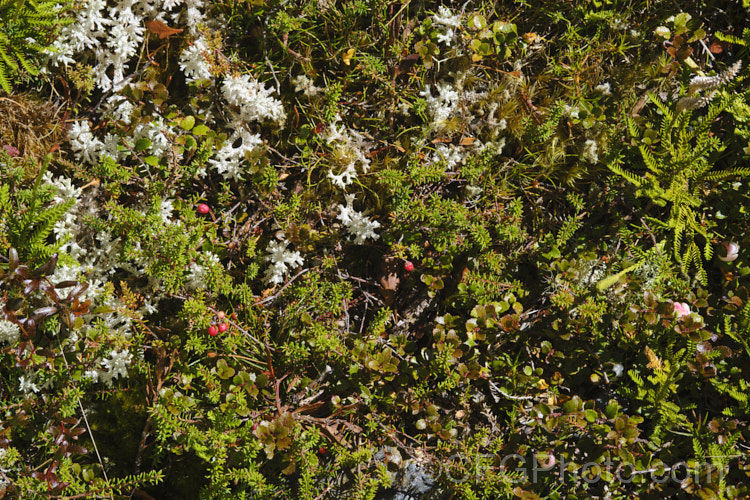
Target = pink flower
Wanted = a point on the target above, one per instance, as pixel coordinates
(681, 309)
(11, 150)
(732, 249)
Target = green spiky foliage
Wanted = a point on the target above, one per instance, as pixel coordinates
(679, 158)
(743, 41)
(22, 24)
(27, 216)
(737, 388)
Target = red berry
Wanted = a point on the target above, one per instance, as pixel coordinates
(234, 316)
(223, 327)
(409, 266)
(323, 450)
(212, 331)
(203, 208)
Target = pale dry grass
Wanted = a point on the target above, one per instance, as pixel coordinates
(31, 125)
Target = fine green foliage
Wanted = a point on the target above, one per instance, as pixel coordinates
(373, 249)
(29, 214)
(679, 158)
(25, 28)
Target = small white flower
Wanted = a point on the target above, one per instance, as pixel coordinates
(84, 144)
(165, 211)
(303, 84)
(120, 108)
(590, 151)
(446, 37)
(282, 261)
(116, 366)
(604, 88)
(26, 385)
(9, 332)
(192, 62)
(253, 99)
(229, 159)
(445, 17)
(344, 178)
(356, 223)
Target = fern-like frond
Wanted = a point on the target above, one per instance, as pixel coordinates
(668, 115)
(730, 39)
(700, 453)
(649, 160)
(4, 80)
(626, 174)
(43, 223)
(723, 174)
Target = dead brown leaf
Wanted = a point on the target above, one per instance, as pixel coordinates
(161, 29)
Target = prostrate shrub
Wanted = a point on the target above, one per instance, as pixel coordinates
(373, 250)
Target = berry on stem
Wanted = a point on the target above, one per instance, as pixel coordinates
(223, 327)
(203, 208)
(409, 266)
(212, 331)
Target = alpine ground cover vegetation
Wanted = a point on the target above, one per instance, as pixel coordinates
(370, 249)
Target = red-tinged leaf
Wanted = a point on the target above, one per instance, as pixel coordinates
(66, 284)
(12, 259)
(31, 285)
(78, 290)
(76, 432)
(77, 450)
(30, 326)
(161, 29)
(52, 294)
(44, 312)
(47, 268)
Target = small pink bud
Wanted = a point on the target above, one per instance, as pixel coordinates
(732, 249)
(681, 309)
(203, 209)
